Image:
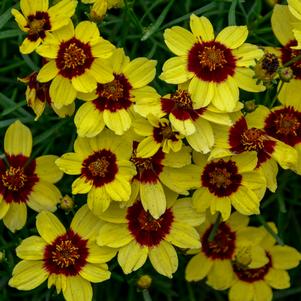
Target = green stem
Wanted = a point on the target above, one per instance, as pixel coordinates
(276, 96)
(292, 61)
(146, 295)
(215, 227)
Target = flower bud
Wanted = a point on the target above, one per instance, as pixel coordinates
(144, 282)
(66, 203)
(286, 74)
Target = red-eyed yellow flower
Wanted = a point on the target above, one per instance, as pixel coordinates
(105, 170)
(282, 123)
(229, 181)
(37, 97)
(252, 284)
(138, 236)
(25, 181)
(38, 20)
(244, 136)
(213, 260)
(112, 103)
(217, 66)
(69, 259)
(76, 61)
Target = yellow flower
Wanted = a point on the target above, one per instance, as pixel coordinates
(294, 7)
(217, 66)
(138, 236)
(283, 23)
(37, 96)
(244, 136)
(38, 20)
(104, 168)
(284, 124)
(69, 259)
(214, 258)
(112, 103)
(24, 181)
(76, 61)
(253, 284)
(229, 181)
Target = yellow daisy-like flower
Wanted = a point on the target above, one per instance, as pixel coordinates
(217, 66)
(253, 284)
(104, 168)
(139, 236)
(159, 133)
(229, 181)
(112, 103)
(282, 123)
(69, 259)
(37, 96)
(76, 61)
(38, 20)
(232, 239)
(243, 136)
(283, 24)
(25, 181)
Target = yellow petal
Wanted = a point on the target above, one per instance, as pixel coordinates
(70, 163)
(86, 31)
(241, 291)
(20, 19)
(262, 291)
(233, 36)
(147, 147)
(246, 55)
(179, 40)
(64, 33)
(31, 248)
(295, 8)
(4, 207)
(49, 49)
(237, 221)
(16, 216)
(288, 96)
(221, 275)
(47, 170)
(28, 275)
(201, 28)
(284, 257)
(95, 272)
(246, 161)
(257, 118)
(99, 254)
(269, 169)
(119, 189)
(18, 139)
(278, 279)
(84, 83)
(49, 226)
(202, 92)
(222, 205)
(198, 267)
(81, 185)
(164, 258)
(77, 288)
(244, 79)
(29, 46)
(114, 214)
(119, 121)
(285, 155)
(119, 60)
(185, 127)
(98, 200)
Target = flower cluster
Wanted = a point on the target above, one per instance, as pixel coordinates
(161, 174)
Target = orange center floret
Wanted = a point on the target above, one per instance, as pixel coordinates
(166, 131)
(253, 139)
(183, 99)
(14, 178)
(99, 168)
(73, 56)
(148, 223)
(287, 124)
(211, 57)
(36, 26)
(65, 254)
(113, 90)
(220, 177)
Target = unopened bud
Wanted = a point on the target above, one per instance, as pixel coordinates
(250, 106)
(144, 282)
(66, 203)
(286, 74)
(1, 256)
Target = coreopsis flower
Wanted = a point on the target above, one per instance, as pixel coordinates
(256, 283)
(282, 123)
(37, 96)
(158, 133)
(138, 236)
(243, 136)
(76, 61)
(69, 259)
(103, 163)
(38, 19)
(283, 22)
(229, 181)
(232, 239)
(111, 104)
(217, 66)
(172, 170)
(24, 181)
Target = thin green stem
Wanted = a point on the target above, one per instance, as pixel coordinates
(293, 60)
(276, 96)
(215, 227)
(146, 295)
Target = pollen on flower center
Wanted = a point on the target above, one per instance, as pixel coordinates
(212, 57)
(182, 99)
(74, 56)
(253, 139)
(99, 167)
(287, 124)
(164, 131)
(113, 90)
(14, 178)
(65, 254)
(147, 230)
(220, 177)
(37, 25)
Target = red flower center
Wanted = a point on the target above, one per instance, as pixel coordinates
(285, 125)
(148, 169)
(147, 230)
(253, 139)
(221, 177)
(37, 25)
(223, 244)
(42, 89)
(100, 167)
(251, 275)
(115, 95)
(66, 255)
(18, 179)
(180, 105)
(287, 54)
(73, 58)
(164, 131)
(211, 61)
